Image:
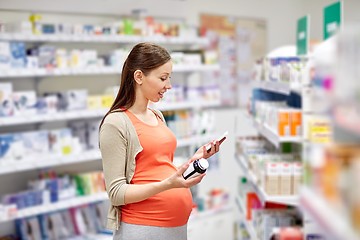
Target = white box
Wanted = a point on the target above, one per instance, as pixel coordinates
(6, 102)
(24, 103)
(36, 144)
(93, 134)
(60, 141)
(76, 99)
(5, 57)
(285, 178)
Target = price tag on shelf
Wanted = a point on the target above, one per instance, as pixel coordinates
(50, 71)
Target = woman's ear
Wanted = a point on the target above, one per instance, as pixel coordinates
(138, 76)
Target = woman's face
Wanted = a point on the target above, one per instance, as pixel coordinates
(157, 82)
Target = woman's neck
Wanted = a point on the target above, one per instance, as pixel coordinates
(139, 107)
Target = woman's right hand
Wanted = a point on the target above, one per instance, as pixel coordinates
(177, 180)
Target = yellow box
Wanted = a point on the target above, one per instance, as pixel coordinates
(107, 101)
(94, 102)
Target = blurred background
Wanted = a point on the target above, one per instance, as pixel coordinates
(280, 76)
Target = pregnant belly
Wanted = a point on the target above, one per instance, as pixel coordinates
(170, 208)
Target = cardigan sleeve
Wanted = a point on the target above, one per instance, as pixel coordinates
(113, 151)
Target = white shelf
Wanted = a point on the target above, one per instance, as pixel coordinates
(248, 225)
(48, 161)
(273, 137)
(335, 224)
(93, 113)
(199, 67)
(59, 116)
(101, 38)
(292, 200)
(171, 106)
(52, 72)
(60, 205)
(278, 87)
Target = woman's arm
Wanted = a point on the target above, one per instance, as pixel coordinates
(113, 153)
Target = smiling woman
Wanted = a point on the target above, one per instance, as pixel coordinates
(150, 199)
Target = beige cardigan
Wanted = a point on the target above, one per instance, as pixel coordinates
(119, 145)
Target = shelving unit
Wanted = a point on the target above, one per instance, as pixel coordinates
(16, 167)
(272, 136)
(279, 87)
(102, 38)
(336, 225)
(249, 227)
(93, 113)
(60, 205)
(58, 116)
(42, 72)
(288, 200)
(49, 161)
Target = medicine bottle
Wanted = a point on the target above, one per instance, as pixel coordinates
(196, 168)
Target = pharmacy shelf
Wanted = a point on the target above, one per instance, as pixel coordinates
(52, 72)
(53, 117)
(278, 87)
(102, 38)
(196, 67)
(335, 224)
(292, 200)
(60, 205)
(249, 227)
(93, 113)
(273, 137)
(106, 70)
(14, 166)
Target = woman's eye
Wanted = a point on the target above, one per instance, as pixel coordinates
(164, 79)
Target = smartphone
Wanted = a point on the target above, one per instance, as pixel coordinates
(220, 139)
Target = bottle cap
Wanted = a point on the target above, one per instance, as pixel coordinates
(203, 163)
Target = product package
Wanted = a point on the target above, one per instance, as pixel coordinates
(76, 99)
(12, 147)
(5, 58)
(60, 141)
(93, 134)
(24, 103)
(18, 55)
(6, 102)
(36, 144)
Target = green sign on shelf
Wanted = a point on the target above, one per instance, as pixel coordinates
(302, 35)
(332, 19)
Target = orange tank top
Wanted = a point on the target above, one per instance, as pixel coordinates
(154, 163)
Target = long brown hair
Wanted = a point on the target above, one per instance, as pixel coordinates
(145, 57)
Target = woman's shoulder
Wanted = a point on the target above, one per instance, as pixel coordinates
(118, 119)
